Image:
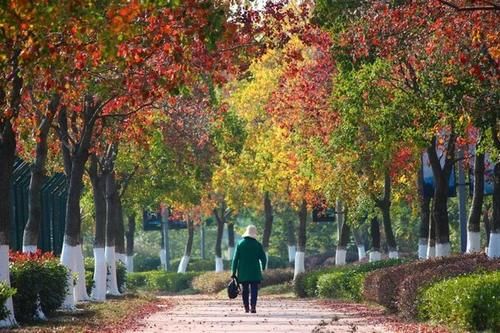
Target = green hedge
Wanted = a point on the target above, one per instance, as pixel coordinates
(307, 284)
(468, 302)
(5, 293)
(37, 277)
(212, 282)
(160, 281)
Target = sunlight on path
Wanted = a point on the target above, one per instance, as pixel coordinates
(208, 314)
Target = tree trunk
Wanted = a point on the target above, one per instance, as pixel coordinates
(189, 246)
(440, 207)
(120, 233)
(487, 224)
(32, 228)
(424, 203)
(129, 235)
(230, 240)
(360, 244)
(112, 212)
(99, 187)
(431, 244)
(7, 158)
(301, 240)
(474, 221)
(268, 221)
(291, 240)
(384, 205)
(494, 244)
(220, 218)
(375, 254)
(340, 254)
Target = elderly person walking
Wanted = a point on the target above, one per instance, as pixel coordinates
(246, 266)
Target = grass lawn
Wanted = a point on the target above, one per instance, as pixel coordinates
(117, 314)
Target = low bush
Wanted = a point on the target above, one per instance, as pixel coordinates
(408, 290)
(381, 286)
(145, 263)
(306, 284)
(467, 302)
(212, 282)
(5, 293)
(40, 280)
(160, 281)
(341, 285)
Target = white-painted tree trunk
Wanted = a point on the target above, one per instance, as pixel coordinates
(374, 256)
(111, 282)
(393, 254)
(340, 255)
(443, 249)
(219, 265)
(68, 259)
(99, 288)
(130, 264)
(162, 258)
(267, 261)
(81, 289)
(494, 246)
(361, 252)
(183, 264)
(431, 252)
(29, 248)
(473, 241)
(422, 248)
(299, 263)
(10, 321)
(230, 252)
(291, 253)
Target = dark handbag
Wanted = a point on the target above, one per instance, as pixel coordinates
(233, 288)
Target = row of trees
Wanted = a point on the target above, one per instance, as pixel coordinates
(342, 109)
(83, 81)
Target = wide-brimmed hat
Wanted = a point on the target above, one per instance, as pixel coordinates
(250, 232)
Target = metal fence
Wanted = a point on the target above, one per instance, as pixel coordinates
(53, 195)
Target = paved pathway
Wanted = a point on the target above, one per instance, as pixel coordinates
(209, 314)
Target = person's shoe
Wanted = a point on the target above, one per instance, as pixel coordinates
(253, 310)
(247, 310)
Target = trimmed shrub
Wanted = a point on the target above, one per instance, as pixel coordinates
(341, 285)
(5, 293)
(468, 302)
(277, 262)
(212, 282)
(145, 263)
(160, 281)
(306, 284)
(408, 290)
(53, 285)
(381, 286)
(37, 277)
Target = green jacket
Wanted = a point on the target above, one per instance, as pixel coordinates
(246, 260)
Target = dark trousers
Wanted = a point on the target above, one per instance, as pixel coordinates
(250, 288)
